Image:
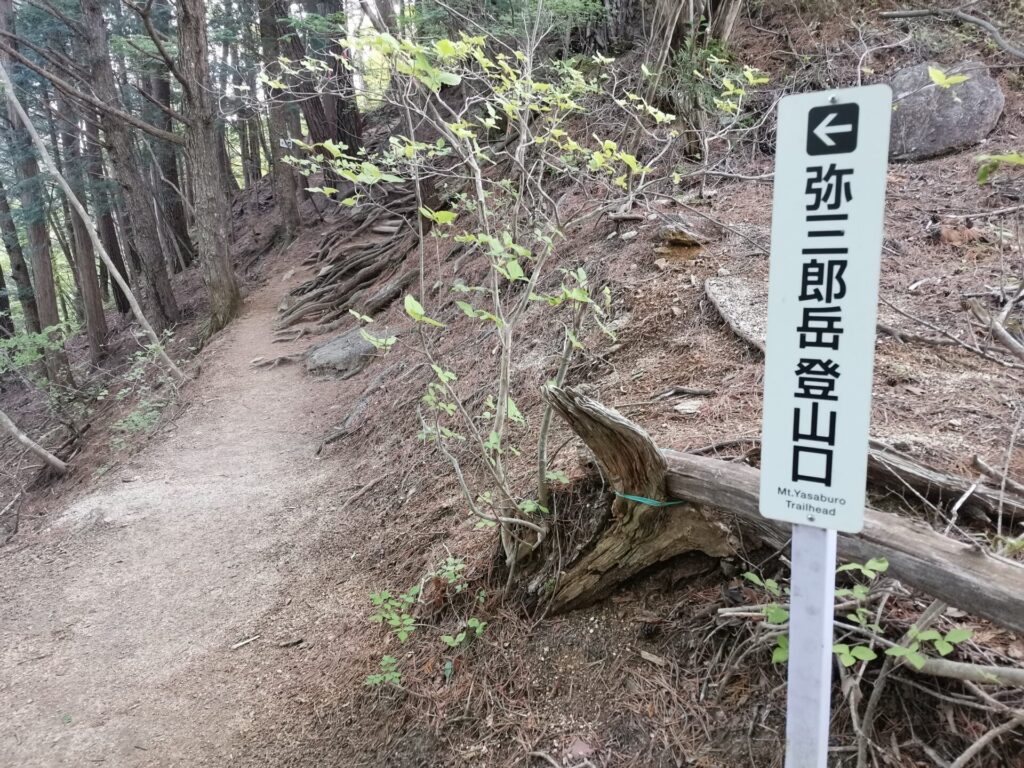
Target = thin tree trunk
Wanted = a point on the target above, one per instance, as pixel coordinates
(51, 461)
(202, 146)
(163, 309)
(85, 256)
(19, 269)
(103, 207)
(167, 165)
(33, 206)
(6, 320)
(283, 173)
(170, 187)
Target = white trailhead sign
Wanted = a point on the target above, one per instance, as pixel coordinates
(830, 173)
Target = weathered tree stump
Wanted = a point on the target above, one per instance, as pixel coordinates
(720, 509)
(637, 535)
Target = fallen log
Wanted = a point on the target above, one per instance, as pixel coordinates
(719, 509)
(891, 469)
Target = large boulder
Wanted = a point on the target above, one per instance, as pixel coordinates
(930, 120)
(345, 355)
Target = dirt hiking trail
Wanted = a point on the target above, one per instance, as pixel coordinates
(117, 621)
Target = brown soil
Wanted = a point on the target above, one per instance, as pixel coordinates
(119, 616)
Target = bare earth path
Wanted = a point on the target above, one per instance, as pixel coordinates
(117, 622)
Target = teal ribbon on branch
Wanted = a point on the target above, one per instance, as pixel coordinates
(648, 502)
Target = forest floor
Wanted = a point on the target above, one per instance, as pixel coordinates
(120, 616)
(206, 602)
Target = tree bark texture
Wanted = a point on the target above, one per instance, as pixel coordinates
(161, 305)
(103, 208)
(85, 256)
(170, 182)
(283, 173)
(202, 147)
(19, 269)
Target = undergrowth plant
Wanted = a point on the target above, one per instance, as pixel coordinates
(397, 614)
(853, 605)
(529, 120)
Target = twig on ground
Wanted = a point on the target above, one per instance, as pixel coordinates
(959, 14)
(1005, 481)
(1012, 724)
(959, 342)
(984, 214)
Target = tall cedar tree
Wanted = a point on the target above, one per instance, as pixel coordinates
(162, 309)
(202, 153)
(33, 207)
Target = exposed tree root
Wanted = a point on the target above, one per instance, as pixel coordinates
(353, 258)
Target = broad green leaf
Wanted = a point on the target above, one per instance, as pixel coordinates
(943, 80)
(943, 647)
(877, 564)
(959, 635)
(513, 413)
(753, 578)
(775, 614)
(863, 653)
(446, 49)
(415, 310)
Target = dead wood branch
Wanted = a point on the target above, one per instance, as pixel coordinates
(956, 13)
(273, 362)
(891, 469)
(58, 466)
(638, 536)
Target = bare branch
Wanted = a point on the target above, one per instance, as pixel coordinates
(144, 14)
(956, 13)
(99, 104)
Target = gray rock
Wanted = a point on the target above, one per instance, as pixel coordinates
(743, 304)
(346, 354)
(929, 120)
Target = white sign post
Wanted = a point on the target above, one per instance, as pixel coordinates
(830, 173)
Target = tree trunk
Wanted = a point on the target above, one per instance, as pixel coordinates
(170, 182)
(170, 190)
(88, 285)
(6, 320)
(19, 269)
(202, 146)
(65, 237)
(104, 211)
(959, 574)
(637, 535)
(283, 174)
(33, 208)
(345, 121)
(161, 305)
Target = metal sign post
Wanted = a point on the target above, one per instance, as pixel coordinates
(827, 218)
